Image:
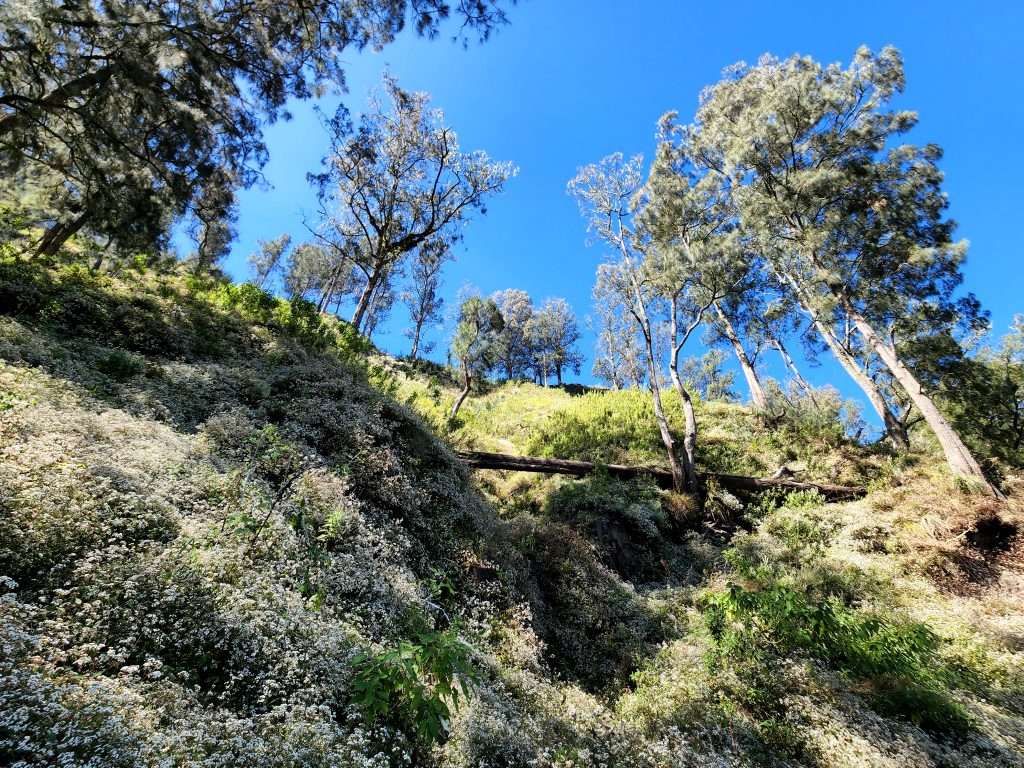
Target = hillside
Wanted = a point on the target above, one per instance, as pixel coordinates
(233, 534)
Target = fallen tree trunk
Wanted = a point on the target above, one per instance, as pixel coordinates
(504, 461)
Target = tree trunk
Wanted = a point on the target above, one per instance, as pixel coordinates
(690, 429)
(468, 381)
(55, 237)
(757, 394)
(794, 371)
(958, 456)
(510, 463)
(416, 341)
(894, 429)
(558, 374)
(689, 455)
(365, 299)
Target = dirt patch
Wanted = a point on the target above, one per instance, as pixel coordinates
(988, 547)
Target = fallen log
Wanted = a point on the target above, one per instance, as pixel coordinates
(509, 462)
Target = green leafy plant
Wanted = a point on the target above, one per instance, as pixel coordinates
(121, 365)
(417, 684)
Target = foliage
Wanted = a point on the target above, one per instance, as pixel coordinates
(770, 617)
(418, 683)
(397, 183)
(72, 72)
(121, 365)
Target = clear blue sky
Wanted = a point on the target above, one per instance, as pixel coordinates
(568, 82)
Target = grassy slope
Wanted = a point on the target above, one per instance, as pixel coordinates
(210, 504)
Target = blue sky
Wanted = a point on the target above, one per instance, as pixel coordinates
(566, 83)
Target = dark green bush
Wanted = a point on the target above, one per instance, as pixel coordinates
(121, 365)
(416, 685)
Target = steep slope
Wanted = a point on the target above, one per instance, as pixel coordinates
(228, 538)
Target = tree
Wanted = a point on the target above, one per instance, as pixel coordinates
(311, 273)
(619, 355)
(421, 297)
(477, 342)
(517, 310)
(395, 183)
(381, 303)
(135, 112)
(605, 192)
(852, 223)
(267, 260)
(552, 333)
(704, 375)
(696, 258)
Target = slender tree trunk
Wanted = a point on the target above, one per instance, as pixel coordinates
(894, 429)
(416, 340)
(467, 383)
(365, 299)
(689, 454)
(324, 304)
(757, 394)
(793, 370)
(55, 237)
(679, 478)
(558, 374)
(690, 428)
(958, 455)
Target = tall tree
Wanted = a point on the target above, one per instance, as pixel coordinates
(705, 375)
(696, 256)
(422, 298)
(606, 192)
(397, 182)
(268, 259)
(138, 111)
(516, 308)
(854, 223)
(477, 342)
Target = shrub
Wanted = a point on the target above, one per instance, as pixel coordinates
(121, 365)
(417, 683)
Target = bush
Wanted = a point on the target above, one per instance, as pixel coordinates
(121, 365)
(416, 684)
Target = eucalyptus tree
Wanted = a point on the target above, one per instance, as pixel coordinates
(422, 297)
(606, 193)
(552, 333)
(696, 258)
(134, 112)
(517, 310)
(477, 343)
(396, 182)
(852, 222)
(269, 258)
(619, 353)
(706, 376)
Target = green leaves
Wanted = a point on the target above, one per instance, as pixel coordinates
(416, 684)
